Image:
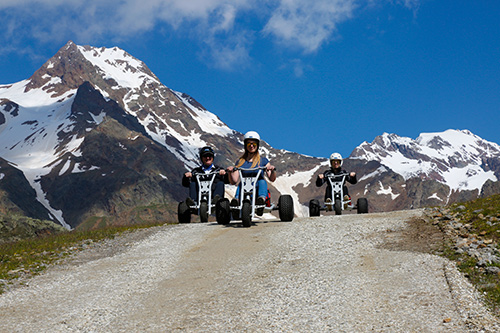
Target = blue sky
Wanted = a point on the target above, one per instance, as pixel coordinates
(314, 77)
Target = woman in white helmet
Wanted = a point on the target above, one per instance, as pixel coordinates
(335, 168)
(251, 158)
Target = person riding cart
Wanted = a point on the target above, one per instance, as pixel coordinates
(252, 159)
(336, 162)
(252, 195)
(207, 167)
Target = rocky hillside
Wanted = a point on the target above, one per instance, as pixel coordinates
(16, 227)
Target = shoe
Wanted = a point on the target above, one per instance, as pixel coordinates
(347, 198)
(234, 206)
(329, 206)
(189, 202)
(261, 201)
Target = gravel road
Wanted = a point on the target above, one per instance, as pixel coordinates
(331, 273)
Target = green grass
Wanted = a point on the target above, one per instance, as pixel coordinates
(31, 256)
(481, 221)
(482, 214)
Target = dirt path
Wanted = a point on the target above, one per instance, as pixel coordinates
(348, 273)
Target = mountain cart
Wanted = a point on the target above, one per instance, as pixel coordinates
(204, 206)
(339, 201)
(246, 207)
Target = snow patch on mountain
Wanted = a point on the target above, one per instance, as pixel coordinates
(380, 170)
(33, 175)
(33, 98)
(207, 121)
(189, 144)
(468, 178)
(29, 139)
(285, 183)
(118, 65)
(435, 196)
(387, 191)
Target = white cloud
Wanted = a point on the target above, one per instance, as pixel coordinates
(308, 24)
(227, 54)
(225, 28)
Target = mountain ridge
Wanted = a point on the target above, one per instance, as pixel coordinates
(97, 135)
(436, 156)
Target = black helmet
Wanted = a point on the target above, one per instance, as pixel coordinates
(205, 151)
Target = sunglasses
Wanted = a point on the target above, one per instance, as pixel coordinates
(251, 144)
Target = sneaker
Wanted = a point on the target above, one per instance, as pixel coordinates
(329, 206)
(347, 198)
(189, 202)
(261, 201)
(234, 203)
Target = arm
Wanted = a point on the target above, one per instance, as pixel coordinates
(352, 178)
(222, 176)
(320, 180)
(271, 172)
(186, 179)
(234, 176)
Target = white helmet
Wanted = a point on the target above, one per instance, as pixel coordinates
(336, 156)
(252, 135)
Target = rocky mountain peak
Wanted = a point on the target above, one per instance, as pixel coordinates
(454, 157)
(66, 70)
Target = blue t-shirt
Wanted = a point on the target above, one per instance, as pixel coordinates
(248, 165)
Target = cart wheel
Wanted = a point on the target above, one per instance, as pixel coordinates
(314, 207)
(223, 211)
(338, 207)
(203, 211)
(246, 214)
(285, 207)
(183, 213)
(362, 206)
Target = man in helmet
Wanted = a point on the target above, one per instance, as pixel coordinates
(335, 168)
(207, 165)
(251, 158)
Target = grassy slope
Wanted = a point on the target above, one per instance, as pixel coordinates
(475, 225)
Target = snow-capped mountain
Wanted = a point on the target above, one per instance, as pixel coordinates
(458, 159)
(94, 138)
(455, 161)
(96, 134)
(122, 78)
